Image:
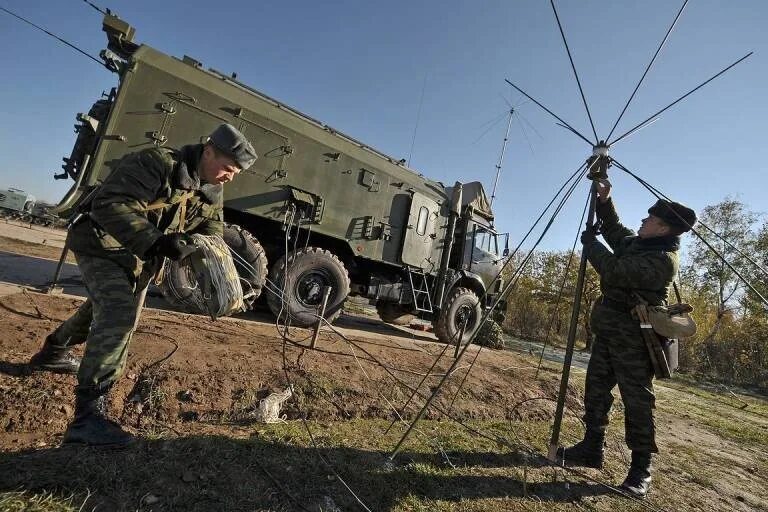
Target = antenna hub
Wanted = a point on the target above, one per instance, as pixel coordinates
(599, 162)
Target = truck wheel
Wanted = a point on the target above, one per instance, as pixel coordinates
(462, 305)
(250, 260)
(302, 275)
(394, 314)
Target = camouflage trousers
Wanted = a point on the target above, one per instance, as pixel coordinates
(104, 322)
(619, 356)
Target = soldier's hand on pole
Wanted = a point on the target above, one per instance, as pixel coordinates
(588, 236)
(603, 190)
(174, 246)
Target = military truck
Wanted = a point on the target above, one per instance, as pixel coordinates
(16, 202)
(319, 209)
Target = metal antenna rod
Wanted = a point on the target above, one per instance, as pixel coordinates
(638, 128)
(681, 98)
(551, 113)
(573, 66)
(658, 50)
(501, 156)
(555, 439)
(418, 117)
(561, 125)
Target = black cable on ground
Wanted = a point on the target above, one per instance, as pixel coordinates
(502, 440)
(286, 340)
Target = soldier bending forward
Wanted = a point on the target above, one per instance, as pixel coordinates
(137, 217)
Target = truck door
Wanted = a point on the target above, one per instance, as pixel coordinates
(420, 233)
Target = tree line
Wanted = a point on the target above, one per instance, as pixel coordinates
(731, 344)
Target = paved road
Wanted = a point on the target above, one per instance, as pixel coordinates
(580, 359)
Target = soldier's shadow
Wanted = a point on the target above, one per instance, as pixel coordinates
(224, 473)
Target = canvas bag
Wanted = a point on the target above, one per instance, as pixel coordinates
(673, 321)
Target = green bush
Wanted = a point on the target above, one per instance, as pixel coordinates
(490, 336)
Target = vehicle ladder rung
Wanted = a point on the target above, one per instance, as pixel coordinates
(422, 300)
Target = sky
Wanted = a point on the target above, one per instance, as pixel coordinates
(380, 71)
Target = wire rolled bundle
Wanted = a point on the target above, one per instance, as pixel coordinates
(206, 282)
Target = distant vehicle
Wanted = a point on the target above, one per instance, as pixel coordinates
(14, 201)
(318, 208)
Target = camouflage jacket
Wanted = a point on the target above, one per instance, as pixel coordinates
(141, 200)
(646, 266)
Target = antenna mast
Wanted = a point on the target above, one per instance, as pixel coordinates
(501, 156)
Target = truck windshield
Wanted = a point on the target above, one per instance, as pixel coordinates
(486, 244)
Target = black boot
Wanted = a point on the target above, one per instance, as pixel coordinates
(54, 357)
(91, 425)
(638, 479)
(587, 453)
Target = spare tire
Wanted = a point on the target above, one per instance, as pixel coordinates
(250, 261)
(301, 275)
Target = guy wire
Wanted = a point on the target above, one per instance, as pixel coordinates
(496, 438)
(100, 63)
(473, 334)
(560, 291)
(695, 231)
(698, 221)
(102, 11)
(518, 273)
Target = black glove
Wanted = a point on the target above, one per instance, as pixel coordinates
(588, 236)
(174, 246)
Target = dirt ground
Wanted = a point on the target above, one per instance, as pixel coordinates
(191, 392)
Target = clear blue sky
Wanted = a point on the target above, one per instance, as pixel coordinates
(360, 67)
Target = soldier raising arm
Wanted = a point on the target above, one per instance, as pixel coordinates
(640, 265)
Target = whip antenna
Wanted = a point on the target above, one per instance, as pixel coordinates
(501, 156)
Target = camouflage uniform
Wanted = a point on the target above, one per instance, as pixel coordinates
(147, 195)
(619, 355)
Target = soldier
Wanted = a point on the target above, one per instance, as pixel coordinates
(137, 217)
(644, 264)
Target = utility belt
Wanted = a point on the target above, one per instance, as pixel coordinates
(616, 305)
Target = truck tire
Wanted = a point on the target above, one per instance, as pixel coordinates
(250, 260)
(462, 304)
(395, 314)
(301, 275)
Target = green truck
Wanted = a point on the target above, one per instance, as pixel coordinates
(319, 209)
